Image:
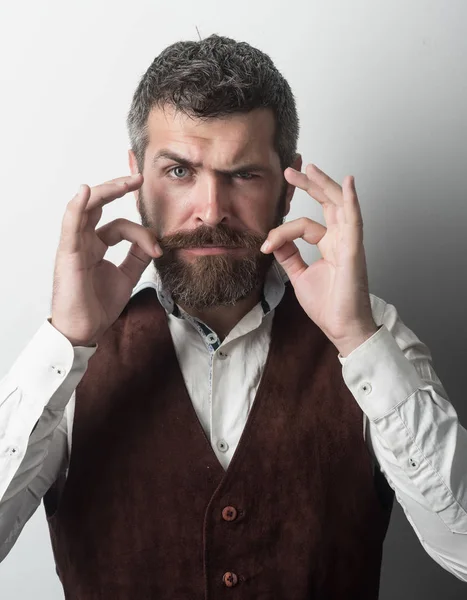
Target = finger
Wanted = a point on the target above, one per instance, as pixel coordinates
(73, 219)
(122, 229)
(91, 219)
(121, 179)
(330, 187)
(331, 214)
(290, 259)
(310, 231)
(107, 192)
(302, 181)
(134, 263)
(352, 211)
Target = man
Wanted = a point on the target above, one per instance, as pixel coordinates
(194, 435)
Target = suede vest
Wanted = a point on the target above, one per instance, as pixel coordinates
(148, 512)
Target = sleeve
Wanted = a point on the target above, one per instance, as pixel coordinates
(33, 433)
(414, 434)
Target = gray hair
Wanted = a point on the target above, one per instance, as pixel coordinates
(210, 78)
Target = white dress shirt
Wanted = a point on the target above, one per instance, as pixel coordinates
(410, 426)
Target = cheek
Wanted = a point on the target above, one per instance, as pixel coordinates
(168, 207)
(257, 211)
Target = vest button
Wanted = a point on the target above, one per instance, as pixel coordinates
(229, 513)
(230, 579)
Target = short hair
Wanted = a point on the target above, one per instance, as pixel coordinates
(214, 77)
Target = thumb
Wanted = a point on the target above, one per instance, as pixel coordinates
(135, 262)
(290, 259)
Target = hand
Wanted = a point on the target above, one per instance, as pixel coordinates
(333, 291)
(89, 293)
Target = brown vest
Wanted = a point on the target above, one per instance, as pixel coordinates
(147, 511)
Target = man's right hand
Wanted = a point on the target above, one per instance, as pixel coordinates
(89, 293)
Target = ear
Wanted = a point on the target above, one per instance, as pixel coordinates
(297, 165)
(133, 170)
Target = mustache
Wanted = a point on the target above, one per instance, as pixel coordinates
(221, 235)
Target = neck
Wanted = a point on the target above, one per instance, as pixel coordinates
(222, 319)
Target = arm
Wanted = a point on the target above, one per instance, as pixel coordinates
(414, 434)
(89, 293)
(33, 425)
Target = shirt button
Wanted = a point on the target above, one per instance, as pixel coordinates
(222, 446)
(230, 579)
(222, 355)
(211, 338)
(59, 370)
(12, 451)
(229, 513)
(366, 388)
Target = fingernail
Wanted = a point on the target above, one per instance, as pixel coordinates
(158, 250)
(265, 247)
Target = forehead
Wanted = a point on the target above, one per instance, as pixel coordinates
(219, 141)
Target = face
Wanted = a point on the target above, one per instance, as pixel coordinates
(212, 191)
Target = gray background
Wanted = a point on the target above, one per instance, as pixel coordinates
(381, 89)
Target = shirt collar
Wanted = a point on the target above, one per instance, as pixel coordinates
(273, 290)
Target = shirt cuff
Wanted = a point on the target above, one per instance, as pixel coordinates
(47, 361)
(379, 375)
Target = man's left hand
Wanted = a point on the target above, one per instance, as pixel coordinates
(333, 291)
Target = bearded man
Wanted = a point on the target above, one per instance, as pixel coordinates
(221, 419)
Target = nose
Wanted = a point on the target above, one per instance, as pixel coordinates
(212, 202)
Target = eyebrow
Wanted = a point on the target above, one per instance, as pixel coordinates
(185, 162)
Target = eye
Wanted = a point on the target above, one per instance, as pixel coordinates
(245, 175)
(178, 172)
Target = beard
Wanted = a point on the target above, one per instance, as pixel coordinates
(213, 280)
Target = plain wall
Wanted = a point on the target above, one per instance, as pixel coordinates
(381, 89)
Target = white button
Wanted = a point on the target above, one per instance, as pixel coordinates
(413, 463)
(211, 338)
(366, 388)
(222, 355)
(222, 446)
(59, 370)
(12, 451)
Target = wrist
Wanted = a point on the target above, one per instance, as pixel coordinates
(351, 341)
(73, 341)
